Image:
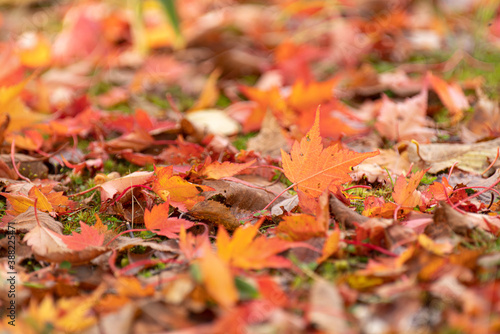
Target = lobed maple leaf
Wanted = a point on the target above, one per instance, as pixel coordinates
(217, 277)
(88, 237)
(217, 170)
(247, 252)
(313, 168)
(157, 221)
(405, 191)
(47, 200)
(300, 227)
(173, 188)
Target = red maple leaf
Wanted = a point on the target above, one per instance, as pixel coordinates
(88, 237)
(157, 221)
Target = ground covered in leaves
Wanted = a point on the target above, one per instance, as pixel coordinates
(249, 166)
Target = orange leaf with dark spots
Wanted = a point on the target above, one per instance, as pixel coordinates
(313, 168)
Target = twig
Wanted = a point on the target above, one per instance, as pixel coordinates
(492, 163)
(12, 152)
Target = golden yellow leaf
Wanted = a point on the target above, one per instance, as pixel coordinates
(217, 278)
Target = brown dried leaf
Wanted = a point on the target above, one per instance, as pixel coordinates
(470, 157)
(327, 307)
(28, 166)
(26, 221)
(214, 212)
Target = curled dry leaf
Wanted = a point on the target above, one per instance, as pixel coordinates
(215, 213)
(243, 199)
(116, 186)
(26, 221)
(473, 158)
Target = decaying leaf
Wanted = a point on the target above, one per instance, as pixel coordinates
(327, 308)
(473, 158)
(216, 213)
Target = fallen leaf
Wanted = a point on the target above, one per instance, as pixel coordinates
(326, 307)
(451, 95)
(26, 221)
(214, 212)
(469, 157)
(88, 237)
(405, 191)
(157, 221)
(405, 120)
(217, 170)
(179, 192)
(300, 227)
(247, 251)
(209, 94)
(217, 278)
(116, 186)
(312, 168)
(331, 246)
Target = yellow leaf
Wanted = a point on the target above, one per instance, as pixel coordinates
(34, 50)
(210, 92)
(11, 104)
(217, 278)
(331, 246)
(20, 203)
(434, 247)
(246, 251)
(42, 203)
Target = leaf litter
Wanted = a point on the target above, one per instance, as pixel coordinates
(234, 166)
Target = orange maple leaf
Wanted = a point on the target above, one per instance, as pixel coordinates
(157, 221)
(217, 170)
(313, 168)
(217, 278)
(300, 227)
(451, 95)
(173, 188)
(305, 95)
(47, 200)
(405, 191)
(247, 252)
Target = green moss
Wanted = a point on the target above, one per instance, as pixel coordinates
(241, 142)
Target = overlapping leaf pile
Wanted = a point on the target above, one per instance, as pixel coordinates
(233, 167)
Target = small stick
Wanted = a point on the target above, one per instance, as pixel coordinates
(12, 152)
(494, 161)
